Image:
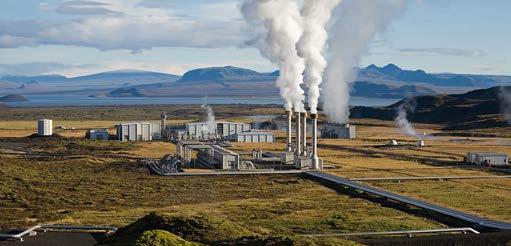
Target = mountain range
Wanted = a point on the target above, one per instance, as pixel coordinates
(389, 81)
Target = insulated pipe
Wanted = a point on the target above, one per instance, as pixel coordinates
(298, 150)
(314, 155)
(304, 134)
(289, 138)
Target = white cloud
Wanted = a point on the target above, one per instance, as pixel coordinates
(442, 52)
(125, 25)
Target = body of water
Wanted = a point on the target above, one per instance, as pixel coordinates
(74, 100)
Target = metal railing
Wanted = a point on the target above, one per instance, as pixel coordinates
(430, 178)
(29, 231)
(410, 233)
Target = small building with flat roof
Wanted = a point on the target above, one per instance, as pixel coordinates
(487, 158)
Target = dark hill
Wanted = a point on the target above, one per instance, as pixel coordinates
(227, 73)
(13, 98)
(126, 92)
(474, 109)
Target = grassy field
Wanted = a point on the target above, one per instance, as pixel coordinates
(72, 180)
(86, 182)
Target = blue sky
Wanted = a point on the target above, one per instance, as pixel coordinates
(79, 37)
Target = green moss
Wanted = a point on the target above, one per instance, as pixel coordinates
(161, 238)
(200, 228)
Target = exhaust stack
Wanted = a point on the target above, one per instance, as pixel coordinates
(289, 138)
(314, 155)
(298, 150)
(304, 135)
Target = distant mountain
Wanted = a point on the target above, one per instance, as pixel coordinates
(475, 109)
(108, 78)
(223, 74)
(126, 92)
(128, 76)
(392, 72)
(13, 98)
(368, 89)
(89, 84)
(29, 79)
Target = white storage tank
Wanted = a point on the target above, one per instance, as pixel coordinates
(44, 127)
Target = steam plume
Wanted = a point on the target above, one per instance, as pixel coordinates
(282, 28)
(505, 103)
(358, 21)
(401, 120)
(316, 14)
(211, 122)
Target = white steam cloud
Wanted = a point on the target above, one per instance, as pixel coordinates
(505, 103)
(211, 122)
(405, 127)
(282, 28)
(316, 15)
(357, 23)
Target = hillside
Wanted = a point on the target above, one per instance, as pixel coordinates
(13, 98)
(475, 109)
(227, 73)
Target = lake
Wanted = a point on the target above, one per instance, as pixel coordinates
(75, 100)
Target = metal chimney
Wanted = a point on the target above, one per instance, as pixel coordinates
(298, 150)
(304, 134)
(289, 138)
(314, 154)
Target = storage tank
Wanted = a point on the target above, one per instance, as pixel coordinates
(44, 127)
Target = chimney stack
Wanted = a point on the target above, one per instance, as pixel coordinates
(298, 150)
(289, 138)
(314, 154)
(304, 134)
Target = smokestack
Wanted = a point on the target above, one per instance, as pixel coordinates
(289, 139)
(304, 134)
(314, 154)
(298, 150)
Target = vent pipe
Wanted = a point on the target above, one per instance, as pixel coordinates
(289, 138)
(298, 150)
(304, 134)
(314, 154)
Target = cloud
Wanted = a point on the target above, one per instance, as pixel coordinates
(442, 52)
(109, 24)
(9, 41)
(85, 8)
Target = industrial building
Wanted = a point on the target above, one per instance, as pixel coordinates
(254, 137)
(345, 131)
(134, 131)
(138, 131)
(209, 130)
(98, 134)
(487, 158)
(44, 127)
(211, 156)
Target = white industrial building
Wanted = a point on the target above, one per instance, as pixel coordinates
(345, 131)
(208, 130)
(138, 131)
(44, 127)
(487, 158)
(98, 134)
(254, 137)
